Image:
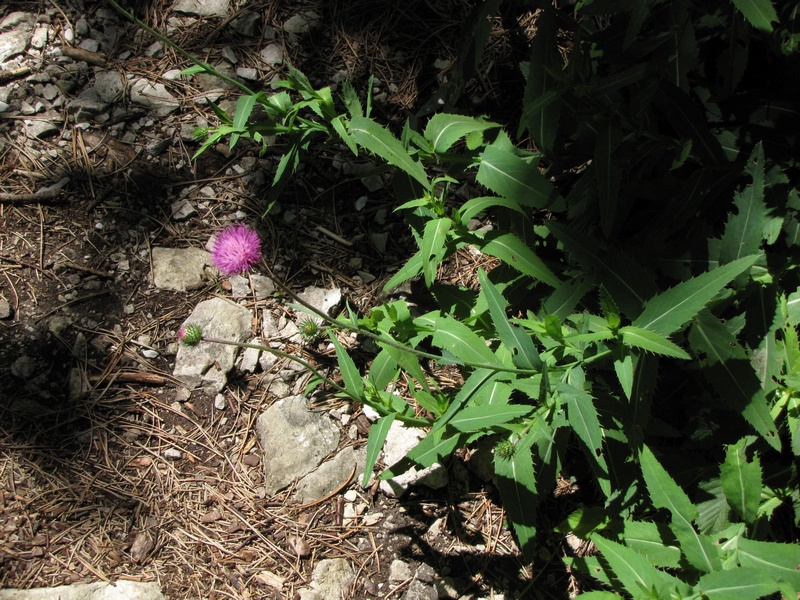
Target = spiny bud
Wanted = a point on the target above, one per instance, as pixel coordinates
(505, 449)
(309, 330)
(190, 335)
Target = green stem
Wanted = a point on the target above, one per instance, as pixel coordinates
(206, 67)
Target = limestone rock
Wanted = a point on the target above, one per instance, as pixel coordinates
(207, 364)
(202, 8)
(331, 475)
(154, 96)
(121, 590)
(296, 440)
(331, 579)
(399, 441)
(179, 269)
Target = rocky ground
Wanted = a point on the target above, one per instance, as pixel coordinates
(204, 472)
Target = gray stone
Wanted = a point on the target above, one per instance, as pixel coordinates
(272, 55)
(172, 454)
(399, 441)
(212, 83)
(89, 45)
(331, 475)
(399, 571)
(250, 357)
(263, 286)
(39, 38)
(41, 129)
(331, 579)
(153, 96)
(182, 210)
(121, 590)
(322, 299)
(24, 367)
(87, 105)
(202, 8)
(13, 43)
(208, 363)
(220, 403)
(301, 23)
(247, 73)
(109, 85)
(295, 439)
(5, 308)
(18, 20)
(180, 269)
(247, 24)
(417, 590)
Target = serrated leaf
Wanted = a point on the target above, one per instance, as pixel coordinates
(525, 355)
(512, 251)
(432, 248)
(628, 283)
(651, 342)
(743, 231)
(760, 13)
(583, 419)
(352, 378)
(671, 310)
(377, 435)
(739, 583)
(351, 100)
(516, 481)
(639, 578)
(741, 482)
(482, 418)
(510, 176)
(476, 206)
(624, 369)
(650, 540)
(780, 561)
(730, 372)
(443, 130)
(368, 134)
(458, 339)
(244, 107)
(412, 268)
(665, 493)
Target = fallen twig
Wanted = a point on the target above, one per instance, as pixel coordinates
(93, 58)
(47, 193)
(6, 76)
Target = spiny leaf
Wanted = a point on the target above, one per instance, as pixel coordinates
(781, 561)
(730, 372)
(443, 130)
(760, 13)
(457, 338)
(480, 418)
(739, 583)
(380, 142)
(352, 378)
(516, 481)
(377, 435)
(512, 251)
(525, 355)
(507, 174)
(433, 247)
(670, 310)
(741, 482)
(651, 342)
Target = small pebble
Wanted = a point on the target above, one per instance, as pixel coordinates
(172, 454)
(219, 402)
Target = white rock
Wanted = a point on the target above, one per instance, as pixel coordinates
(120, 590)
(250, 357)
(154, 96)
(399, 441)
(272, 54)
(220, 403)
(202, 8)
(172, 454)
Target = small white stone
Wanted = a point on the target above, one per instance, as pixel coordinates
(219, 402)
(172, 454)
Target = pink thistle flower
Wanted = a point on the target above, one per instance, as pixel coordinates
(236, 250)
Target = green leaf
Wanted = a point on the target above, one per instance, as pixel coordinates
(730, 372)
(507, 174)
(380, 142)
(516, 481)
(512, 251)
(639, 578)
(760, 13)
(341, 129)
(352, 378)
(650, 540)
(458, 339)
(443, 130)
(670, 310)
(383, 370)
(780, 561)
(483, 418)
(476, 206)
(412, 268)
(525, 355)
(540, 111)
(740, 583)
(651, 342)
(743, 231)
(351, 101)
(244, 107)
(584, 422)
(608, 176)
(624, 369)
(665, 493)
(377, 435)
(741, 482)
(433, 247)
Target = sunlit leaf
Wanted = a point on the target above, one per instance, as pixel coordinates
(741, 482)
(377, 435)
(380, 142)
(760, 13)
